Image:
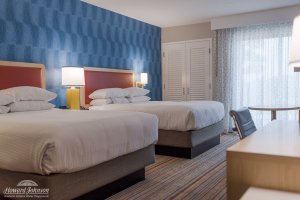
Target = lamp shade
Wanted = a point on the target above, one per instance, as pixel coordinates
(73, 76)
(144, 78)
(295, 54)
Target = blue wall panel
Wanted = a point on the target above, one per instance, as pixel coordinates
(73, 33)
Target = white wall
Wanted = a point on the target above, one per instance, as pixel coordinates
(186, 32)
(254, 18)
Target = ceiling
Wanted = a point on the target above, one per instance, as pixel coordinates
(167, 13)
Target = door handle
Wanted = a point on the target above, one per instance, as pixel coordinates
(188, 91)
(183, 91)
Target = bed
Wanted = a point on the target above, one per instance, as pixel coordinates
(186, 129)
(73, 154)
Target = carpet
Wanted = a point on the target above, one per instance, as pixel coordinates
(203, 177)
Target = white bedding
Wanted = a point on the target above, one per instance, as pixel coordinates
(65, 141)
(179, 116)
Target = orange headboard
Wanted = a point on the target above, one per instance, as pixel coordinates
(100, 78)
(13, 74)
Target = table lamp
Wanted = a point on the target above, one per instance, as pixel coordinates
(144, 80)
(295, 54)
(73, 77)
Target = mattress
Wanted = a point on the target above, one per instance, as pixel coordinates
(178, 116)
(65, 141)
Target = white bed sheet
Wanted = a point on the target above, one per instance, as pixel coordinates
(65, 141)
(179, 116)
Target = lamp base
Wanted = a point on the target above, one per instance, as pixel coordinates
(73, 98)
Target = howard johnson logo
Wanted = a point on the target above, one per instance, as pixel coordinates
(26, 189)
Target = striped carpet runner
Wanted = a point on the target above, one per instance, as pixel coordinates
(203, 177)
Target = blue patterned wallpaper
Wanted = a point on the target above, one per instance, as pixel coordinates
(73, 33)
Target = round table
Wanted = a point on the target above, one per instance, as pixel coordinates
(275, 108)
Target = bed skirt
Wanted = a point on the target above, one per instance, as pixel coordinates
(188, 144)
(76, 184)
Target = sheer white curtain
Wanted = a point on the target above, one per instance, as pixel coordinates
(252, 69)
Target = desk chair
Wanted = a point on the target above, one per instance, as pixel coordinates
(243, 121)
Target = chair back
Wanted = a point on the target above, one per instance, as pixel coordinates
(243, 121)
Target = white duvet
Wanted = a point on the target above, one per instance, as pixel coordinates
(64, 141)
(179, 116)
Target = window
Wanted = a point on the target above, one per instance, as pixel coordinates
(254, 67)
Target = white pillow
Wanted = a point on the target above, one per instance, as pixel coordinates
(5, 99)
(101, 102)
(139, 99)
(4, 109)
(136, 92)
(108, 93)
(28, 93)
(22, 106)
(120, 100)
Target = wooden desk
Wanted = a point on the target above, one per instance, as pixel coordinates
(269, 158)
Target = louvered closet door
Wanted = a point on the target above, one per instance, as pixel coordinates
(198, 70)
(174, 62)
